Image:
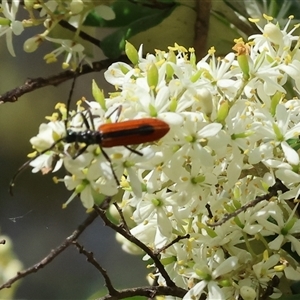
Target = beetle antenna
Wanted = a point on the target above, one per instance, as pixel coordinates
(26, 164)
(76, 72)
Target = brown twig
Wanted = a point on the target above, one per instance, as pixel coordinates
(121, 230)
(176, 240)
(54, 253)
(90, 258)
(273, 191)
(37, 83)
(124, 224)
(82, 34)
(148, 291)
(203, 10)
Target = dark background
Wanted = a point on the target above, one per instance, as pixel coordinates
(33, 217)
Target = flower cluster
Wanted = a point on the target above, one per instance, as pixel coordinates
(234, 131)
(50, 14)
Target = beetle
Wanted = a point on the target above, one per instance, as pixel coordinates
(125, 133)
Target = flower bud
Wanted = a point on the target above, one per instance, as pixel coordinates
(247, 293)
(223, 111)
(275, 101)
(29, 4)
(131, 53)
(273, 33)
(205, 99)
(4, 21)
(98, 95)
(243, 51)
(76, 6)
(152, 76)
(31, 44)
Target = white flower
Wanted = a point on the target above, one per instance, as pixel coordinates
(208, 277)
(74, 52)
(284, 229)
(233, 133)
(10, 25)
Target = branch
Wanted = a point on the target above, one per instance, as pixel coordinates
(82, 34)
(54, 253)
(176, 240)
(148, 291)
(90, 258)
(203, 10)
(120, 229)
(273, 191)
(37, 83)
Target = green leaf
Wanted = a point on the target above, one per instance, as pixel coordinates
(113, 45)
(294, 143)
(126, 12)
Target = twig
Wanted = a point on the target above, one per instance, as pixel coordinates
(82, 34)
(54, 253)
(176, 240)
(37, 83)
(131, 238)
(90, 258)
(124, 224)
(273, 191)
(148, 291)
(203, 10)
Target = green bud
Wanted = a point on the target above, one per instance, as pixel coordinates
(223, 111)
(29, 4)
(225, 282)
(288, 226)
(236, 193)
(190, 139)
(128, 164)
(229, 208)
(193, 59)
(212, 233)
(131, 53)
(31, 44)
(171, 57)
(123, 69)
(274, 102)
(152, 76)
(198, 179)
(79, 188)
(173, 104)
(241, 135)
(277, 132)
(244, 65)
(203, 275)
(196, 76)
(76, 6)
(156, 202)
(168, 260)
(4, 21)
(152, 111)
(98, 95)
(238, 222)
(169, 72)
